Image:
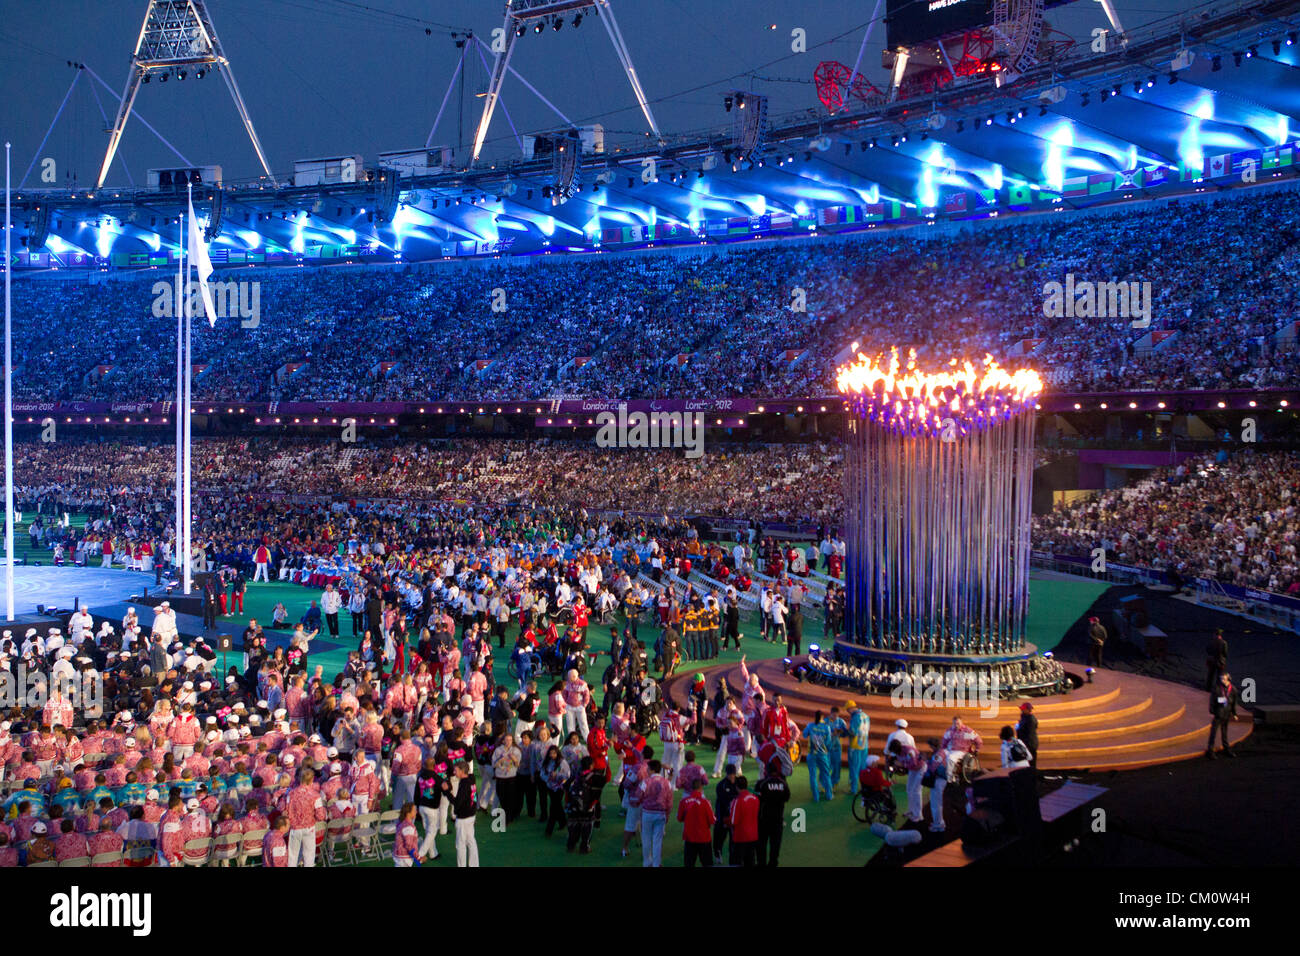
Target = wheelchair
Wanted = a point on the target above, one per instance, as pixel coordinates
(875, 806)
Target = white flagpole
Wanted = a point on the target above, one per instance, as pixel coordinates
(178, 557)
(189, 375)
(9, 412)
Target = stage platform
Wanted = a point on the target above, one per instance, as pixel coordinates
(1118, 722)
(97, 588)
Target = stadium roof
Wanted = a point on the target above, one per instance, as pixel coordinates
(1170, 102)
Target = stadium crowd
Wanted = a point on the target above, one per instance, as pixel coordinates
(1222, 278)
(1231, 518)
(782, 484)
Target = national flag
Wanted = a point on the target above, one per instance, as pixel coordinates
(781, 220)
(985, 196)
(198, 251)
(1020, 194)
(1130, 179)
(1278, 156)
(1155, 176)
(666, 230)
(1074, 186)
(1218, 165)
(830, 216)
(874, 212)
(1099, 183)
(954, 202)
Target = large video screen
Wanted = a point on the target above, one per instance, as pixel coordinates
(914, 21)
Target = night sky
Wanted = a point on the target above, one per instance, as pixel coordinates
(333, 77)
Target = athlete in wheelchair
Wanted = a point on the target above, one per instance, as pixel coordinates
(874, 801)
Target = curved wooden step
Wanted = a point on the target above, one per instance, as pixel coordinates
(1116, 722)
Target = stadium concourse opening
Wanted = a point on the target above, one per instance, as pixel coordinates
(950, 514)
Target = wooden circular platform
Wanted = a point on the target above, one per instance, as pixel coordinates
(1118, 722)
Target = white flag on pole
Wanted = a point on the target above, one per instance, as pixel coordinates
(199, 257)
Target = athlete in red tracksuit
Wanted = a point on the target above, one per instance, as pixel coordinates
(776, 724)
(744, 826)
(695, 813)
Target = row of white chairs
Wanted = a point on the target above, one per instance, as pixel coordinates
(346, 842)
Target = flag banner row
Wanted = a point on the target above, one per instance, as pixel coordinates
(949, 203)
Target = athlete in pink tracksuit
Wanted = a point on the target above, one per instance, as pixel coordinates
(576, 697)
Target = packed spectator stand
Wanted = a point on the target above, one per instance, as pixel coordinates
(1222, 276)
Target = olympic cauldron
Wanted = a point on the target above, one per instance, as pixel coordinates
(939, 468)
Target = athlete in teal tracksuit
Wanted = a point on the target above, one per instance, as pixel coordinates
(859, 728)
(839, 730)
(820, 739)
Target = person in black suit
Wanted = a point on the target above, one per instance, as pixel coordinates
(794, 632)
(209, 602)
(1096, 641)
(1027, 731)
(1223, 708)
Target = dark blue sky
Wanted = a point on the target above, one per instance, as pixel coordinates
(329, 77)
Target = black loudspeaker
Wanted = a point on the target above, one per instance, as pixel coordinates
(982, 827)
(1134, 609)
(1013, 794)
